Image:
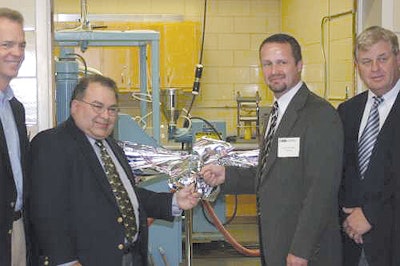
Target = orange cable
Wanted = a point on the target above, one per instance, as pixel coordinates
(241, 249)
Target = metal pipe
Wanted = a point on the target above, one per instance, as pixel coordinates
(85, 24)
(326, 68)
(188, 237)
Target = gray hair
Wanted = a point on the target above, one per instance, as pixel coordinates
(11, 14)
(373, 35)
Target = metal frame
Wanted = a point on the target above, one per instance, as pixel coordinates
(139, 38)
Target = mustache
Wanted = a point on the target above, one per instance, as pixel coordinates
(274, 76)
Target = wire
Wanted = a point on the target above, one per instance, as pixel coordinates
(236, 197)
(243, 250)
(201, 51)
(81, 59)
(208, 124)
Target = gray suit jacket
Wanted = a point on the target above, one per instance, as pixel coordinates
(297, 196)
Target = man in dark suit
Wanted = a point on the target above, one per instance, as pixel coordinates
(298, 176)
(78, 217)
(369, 193)
(13, 143)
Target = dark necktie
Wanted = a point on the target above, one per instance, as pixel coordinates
(368, 137)
(120, 193)
(270, 135)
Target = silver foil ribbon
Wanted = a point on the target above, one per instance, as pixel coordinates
(183, 167)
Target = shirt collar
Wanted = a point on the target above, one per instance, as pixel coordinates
(7, 94)
(285, 99)
(388, 96)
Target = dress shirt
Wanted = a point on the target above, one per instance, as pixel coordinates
(383, 109)
(12, 139)
(283, 103)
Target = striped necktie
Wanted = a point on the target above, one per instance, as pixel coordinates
(368, 137)
(120, 193)
(270, 135)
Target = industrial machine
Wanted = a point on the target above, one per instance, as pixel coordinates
(127, 129)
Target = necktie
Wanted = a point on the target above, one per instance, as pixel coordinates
(368, 137)
(120, 193)
(270, 134)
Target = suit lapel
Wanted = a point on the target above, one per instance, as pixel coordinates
(91, 158)
(393, 114)
(285, 126)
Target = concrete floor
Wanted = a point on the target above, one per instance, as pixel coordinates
(221, 253)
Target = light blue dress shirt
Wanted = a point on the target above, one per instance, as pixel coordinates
(12, 139)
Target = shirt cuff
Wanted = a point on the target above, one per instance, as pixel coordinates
(176, 211)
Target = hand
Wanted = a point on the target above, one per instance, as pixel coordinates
(187, 198)
(292, 260)
(77, 264)
(355, 224)
(214, 175)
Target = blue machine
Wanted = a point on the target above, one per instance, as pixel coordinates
(66, 79)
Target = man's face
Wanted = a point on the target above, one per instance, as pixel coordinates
(94, 121)
(378, 67)
(281, 73)
(12, 49)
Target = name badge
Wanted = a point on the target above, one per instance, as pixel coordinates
(288, 147)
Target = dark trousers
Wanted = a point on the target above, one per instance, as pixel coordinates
(133, 257)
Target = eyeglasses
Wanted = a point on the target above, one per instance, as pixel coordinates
(99, 108)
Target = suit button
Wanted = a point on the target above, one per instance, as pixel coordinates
(120, 246)
(12, 204)
(120, 220)
(10, 231)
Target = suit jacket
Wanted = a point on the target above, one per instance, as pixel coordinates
(8, 191)
(377, 194)
(74, 212)
(297, 197)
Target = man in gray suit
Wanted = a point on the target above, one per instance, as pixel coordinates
(299, 170)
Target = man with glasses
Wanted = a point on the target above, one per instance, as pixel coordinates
(86, 209)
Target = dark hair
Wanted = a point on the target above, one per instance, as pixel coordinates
(80, 88)
(11, 14)
(373, 35)
(284, 38)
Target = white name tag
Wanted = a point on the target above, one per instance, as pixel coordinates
(288, 147)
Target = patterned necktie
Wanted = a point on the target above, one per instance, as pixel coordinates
(120, 193)
(368, 137)
(270, 135)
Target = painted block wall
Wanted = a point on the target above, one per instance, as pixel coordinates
(337, 35)
(234, 30)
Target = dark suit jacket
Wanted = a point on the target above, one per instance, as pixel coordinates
(377, 194)
(298, 196)
(8, 191)
(74, 212)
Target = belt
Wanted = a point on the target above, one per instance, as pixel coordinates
(17, 215)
